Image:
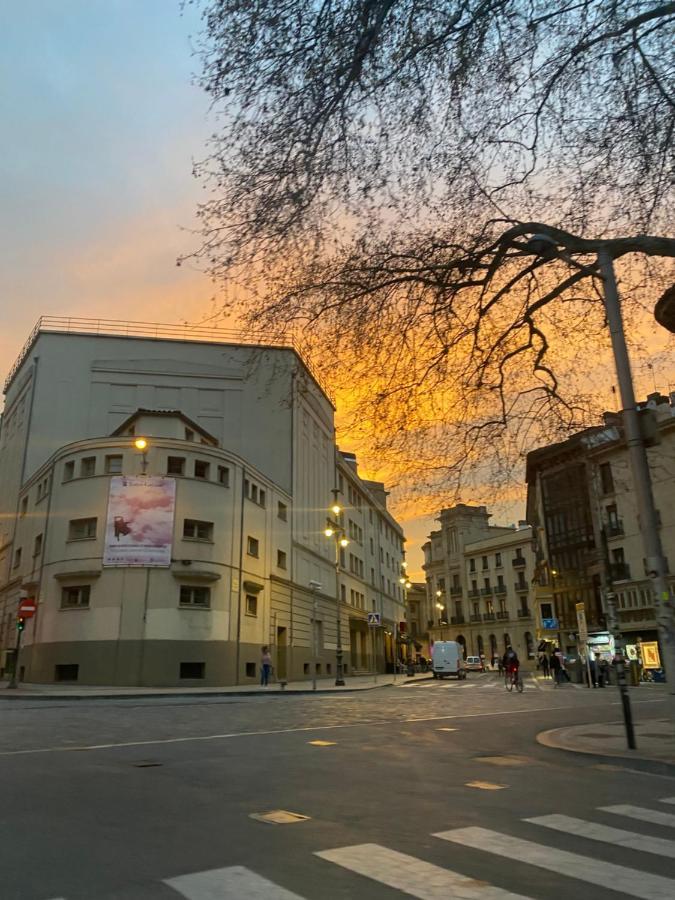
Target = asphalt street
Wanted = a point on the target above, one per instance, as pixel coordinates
(419, 790)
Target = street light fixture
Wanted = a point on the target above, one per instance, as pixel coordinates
(141, 444)
(546, 247)
(335, 530)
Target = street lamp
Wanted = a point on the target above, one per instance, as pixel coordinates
(314, 586)
(544, 246)
(335, 530)
(141, 444)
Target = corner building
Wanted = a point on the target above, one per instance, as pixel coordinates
(174, 565)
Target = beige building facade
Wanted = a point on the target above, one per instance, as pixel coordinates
(240, 462)
(479, 584)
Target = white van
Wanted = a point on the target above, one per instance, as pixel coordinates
(447, 659)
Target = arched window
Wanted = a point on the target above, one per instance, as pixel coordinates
(462, 640)
(493, 646)
(479, 645)
(507, 641)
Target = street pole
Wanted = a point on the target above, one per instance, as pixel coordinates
(613, 622)
(339, 677)
(17, 650)
(651, 538)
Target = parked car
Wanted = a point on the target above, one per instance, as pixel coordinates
(474, 664)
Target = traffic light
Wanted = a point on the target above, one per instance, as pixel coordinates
(20, 623)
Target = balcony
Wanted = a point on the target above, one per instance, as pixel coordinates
(500, 589)
(455, 591)
(486, 592)
(518, 562)
(614, 529)
(473, 593)
(476, 617)
(457, 620)
(503, 616)
(619, 571)
(489, 617)
(521, 586)
(524, 613)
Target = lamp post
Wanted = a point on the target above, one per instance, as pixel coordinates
(543, 245)
(335, 530)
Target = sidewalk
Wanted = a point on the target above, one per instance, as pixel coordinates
(324, 686)
(606, 742)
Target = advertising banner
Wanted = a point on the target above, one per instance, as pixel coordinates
(139, 526)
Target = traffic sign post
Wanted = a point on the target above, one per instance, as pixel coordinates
(582, 628)
(26, 610)
(374, 618)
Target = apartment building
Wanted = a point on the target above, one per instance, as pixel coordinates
(174, 562)
(582, 505)
(479, 583)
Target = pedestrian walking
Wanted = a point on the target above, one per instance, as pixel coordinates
(602, 668)
(265, 666)
(557, 667)
(545, 667)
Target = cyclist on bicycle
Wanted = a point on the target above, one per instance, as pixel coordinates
(511, 663)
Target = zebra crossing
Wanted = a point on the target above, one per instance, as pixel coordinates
(416, 877)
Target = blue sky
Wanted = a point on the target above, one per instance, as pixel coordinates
(99, 126)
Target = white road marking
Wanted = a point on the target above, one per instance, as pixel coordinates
(412, 876)
(668, 800)
(232, 883)
(584, 868)
(596, 832)
(655, 817)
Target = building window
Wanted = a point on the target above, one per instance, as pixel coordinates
(24, 506)
(281, 559)
(175, 465)
(67, 672)
(81, 529)
(17, 557)
(251, 604)
(195, 530)
(250, 670)
(113, 465)
(282, 511)
(189, 434)
(201, 469)
(547, 610)
(472, 565)
(87, 466)
(37, 545)
(485, 562)
(498, 560)
(224, 476)
(343, 593)
(75, 597)
(262, 497)
(606, 479)
(195, 596)
(69, 471)
(253, 546)
(190, 670)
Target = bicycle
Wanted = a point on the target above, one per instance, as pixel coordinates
(513, 679)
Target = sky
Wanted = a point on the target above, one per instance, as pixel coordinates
(99, 125)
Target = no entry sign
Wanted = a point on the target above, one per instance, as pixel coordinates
(27, 608)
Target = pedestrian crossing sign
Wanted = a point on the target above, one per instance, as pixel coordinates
(374, 618)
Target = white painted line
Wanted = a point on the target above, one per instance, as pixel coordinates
(232, 883)
(654, 817)
(412, 876)
(596, 832)
(584, 868)
(668, 800)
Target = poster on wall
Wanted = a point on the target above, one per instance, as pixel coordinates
(139, 526)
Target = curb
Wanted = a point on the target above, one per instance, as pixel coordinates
(641, 763)
(298, 692)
